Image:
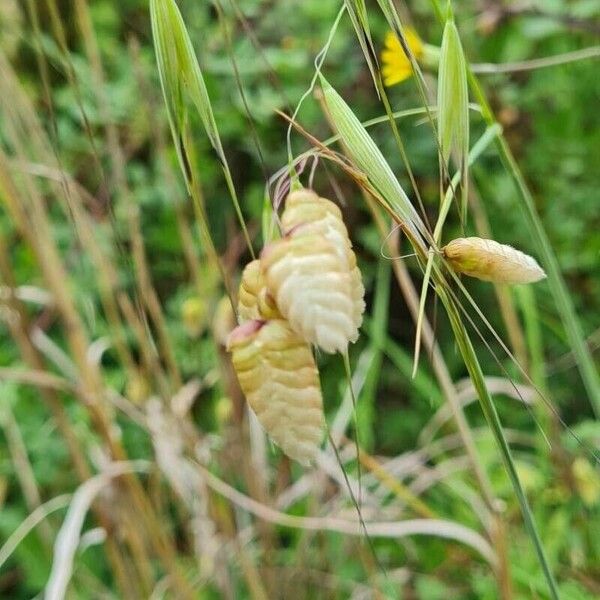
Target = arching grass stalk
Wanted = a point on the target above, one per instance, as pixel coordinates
(489, 410)
(478, 148)
(556, 282)
(384, 187)
(348, 372)
(319, 60)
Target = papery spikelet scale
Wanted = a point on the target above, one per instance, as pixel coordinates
(306, 213)
(278, 375)
(490, 261)
(254, 300)
(312, 287)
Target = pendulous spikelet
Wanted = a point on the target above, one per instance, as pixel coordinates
(306, 212)
(490, 261)
(312, 287)
(254, 300)
(278, 375)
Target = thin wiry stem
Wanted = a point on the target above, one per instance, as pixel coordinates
(491, 415)
(319, 60)
(34, 518)
(536, 63)
(433, 527)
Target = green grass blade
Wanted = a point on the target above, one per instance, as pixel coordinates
(370, 160)
(358, 15)
(493, 420)
(587, 369)
(182, 82)
(364, 152)
(478, 148)
(422, 301)
(379, 326)
(453, 106)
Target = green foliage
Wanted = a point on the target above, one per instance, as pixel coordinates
(94, 123)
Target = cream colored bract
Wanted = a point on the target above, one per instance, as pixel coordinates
(278, 375)
(254, 300)
(490, 261)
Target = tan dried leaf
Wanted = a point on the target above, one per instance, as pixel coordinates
(490, 261)
(278, 375)
(223, 321)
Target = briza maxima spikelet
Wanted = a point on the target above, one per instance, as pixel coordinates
(254, 300)
(490, 261)
(278, 375)
(312, 287)
(307, 213)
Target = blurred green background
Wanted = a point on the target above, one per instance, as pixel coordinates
(111, 137)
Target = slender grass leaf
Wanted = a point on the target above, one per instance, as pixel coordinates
(590, 374)
(367, 156)
(182, 82)
(358, 15)
(489, 410)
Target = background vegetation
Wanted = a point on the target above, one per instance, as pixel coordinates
(112, 365)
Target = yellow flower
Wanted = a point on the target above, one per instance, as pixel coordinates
(396, 65)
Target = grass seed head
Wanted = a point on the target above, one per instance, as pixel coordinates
(490, 261)
(312, 286)
(278, 375)
(306, 213)
(254, 300)
(318, 215)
